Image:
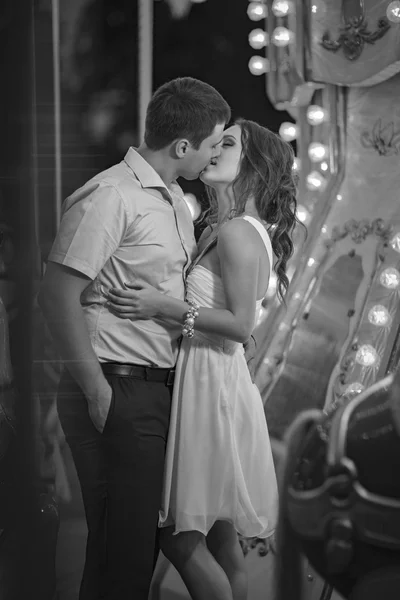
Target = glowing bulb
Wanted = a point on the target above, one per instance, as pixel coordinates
(281, 8)
(324, 229)
(316, 181)
(282, 36)
(390, 278)
(296, 164)
(317, 151)
(273, 280)
(316, 114)
(258, 65)
(393, 12)
(288, 131)
(272, 285)
(324, 166)
(311, 262)
(379, 315)
(193, 205)
(395, 242)
(354, 388)
(339, 197)
(258, 39)
(302, 213)
(367, 356)
(256, 11)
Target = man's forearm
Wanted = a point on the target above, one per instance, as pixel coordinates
(68, 327)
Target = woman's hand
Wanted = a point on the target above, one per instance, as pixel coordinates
(136, 302)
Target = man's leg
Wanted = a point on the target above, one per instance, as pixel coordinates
(88, 452)
(136, 436)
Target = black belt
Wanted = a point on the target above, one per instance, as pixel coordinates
(166, 376)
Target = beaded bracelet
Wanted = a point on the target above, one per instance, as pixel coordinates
(190, 317)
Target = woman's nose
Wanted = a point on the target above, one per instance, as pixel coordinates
(217, 151)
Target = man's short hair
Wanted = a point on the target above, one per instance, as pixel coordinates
(184, 108)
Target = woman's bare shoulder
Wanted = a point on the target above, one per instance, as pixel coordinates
(238, 230)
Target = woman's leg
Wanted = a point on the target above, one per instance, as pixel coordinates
(222, 541)
(202, 575)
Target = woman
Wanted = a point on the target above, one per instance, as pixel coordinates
(219, 474)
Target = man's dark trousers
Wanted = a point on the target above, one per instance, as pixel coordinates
(120, 472)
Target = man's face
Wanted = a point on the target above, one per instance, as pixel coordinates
(196, 161)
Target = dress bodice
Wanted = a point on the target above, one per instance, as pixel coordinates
(206, 288)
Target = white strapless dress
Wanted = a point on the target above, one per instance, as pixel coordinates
(219, 462)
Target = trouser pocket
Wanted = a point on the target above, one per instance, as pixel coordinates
(111, 407)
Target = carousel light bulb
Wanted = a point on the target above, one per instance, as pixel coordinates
(367, 356)
(354, 388)
(296, 164)
(316, 114)
(379, 315)
(256, 11)
(311, 262)
(324, 229)
(258, 65)
(282, 8)
(317, 151)
(272, 285)
(393, 12)
(288, 131)
(302, 213)
(324, 166)
(339, 197)
(258, 38)
(395, 242)
(316, 181)
(390, 278)
(281, 36)
(193, 205)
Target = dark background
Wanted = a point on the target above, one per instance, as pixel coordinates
(99, 83)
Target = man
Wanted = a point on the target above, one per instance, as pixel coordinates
(127, 224)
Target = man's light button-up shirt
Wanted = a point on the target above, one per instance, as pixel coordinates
(125, 225)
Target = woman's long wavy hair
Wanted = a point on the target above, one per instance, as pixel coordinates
(266, 174)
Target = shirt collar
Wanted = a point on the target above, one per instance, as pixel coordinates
(147, 176)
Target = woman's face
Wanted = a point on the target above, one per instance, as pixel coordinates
(224, 168)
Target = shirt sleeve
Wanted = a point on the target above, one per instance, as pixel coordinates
(93, 224)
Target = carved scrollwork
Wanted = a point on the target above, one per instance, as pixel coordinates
(383, 138)
(354, 35)
(359, 230)
(264, 546)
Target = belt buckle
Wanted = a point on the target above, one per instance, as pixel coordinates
(170, 377)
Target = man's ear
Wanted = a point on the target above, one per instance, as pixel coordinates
(182, 147)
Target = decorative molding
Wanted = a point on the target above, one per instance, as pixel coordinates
(263, 545)
(354, 35)
(383, 138)
(359, 230)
